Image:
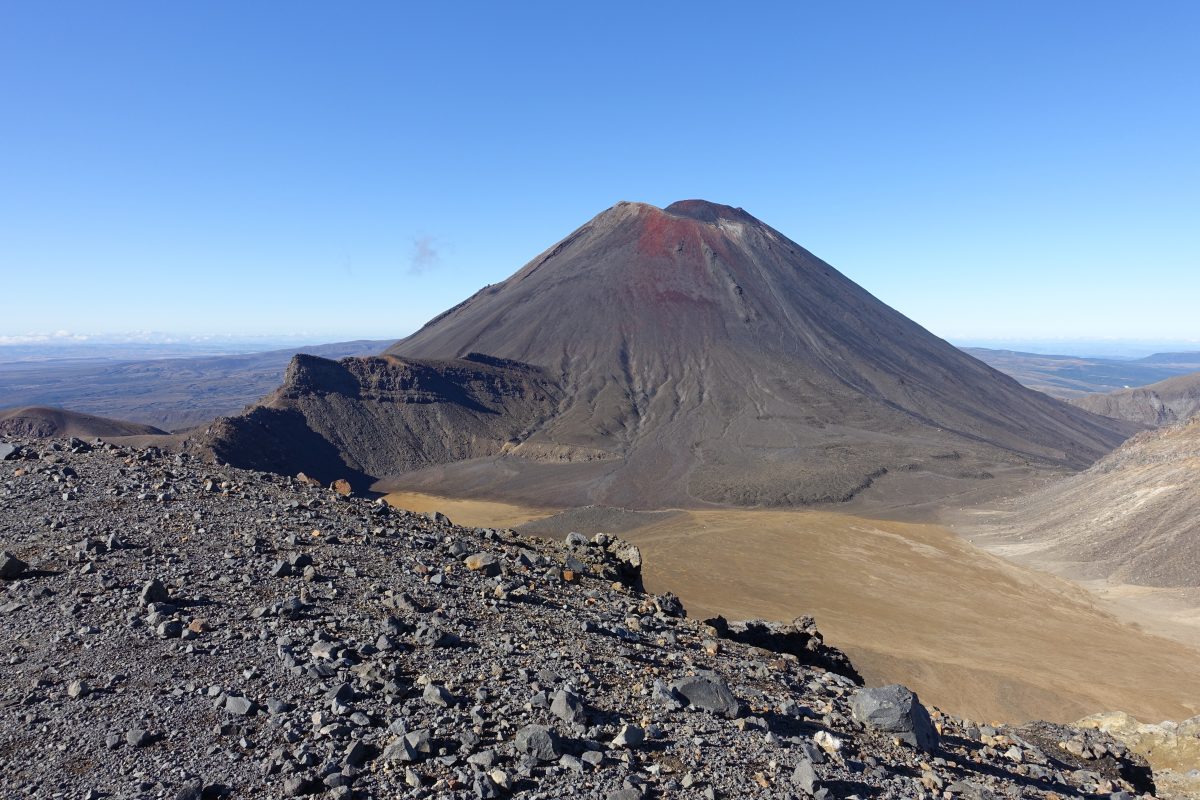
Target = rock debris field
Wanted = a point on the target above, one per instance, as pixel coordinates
(171, 628)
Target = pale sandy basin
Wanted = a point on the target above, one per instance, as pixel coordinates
(971, 632)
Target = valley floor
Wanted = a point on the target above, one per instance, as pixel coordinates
(971, 632)
(471, 513)
(1173, 612)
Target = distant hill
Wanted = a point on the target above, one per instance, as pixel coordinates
(1161, 403)
(43, 423)
(168, 393)
(1133, 517)
(1173, 360)
(1068, 377)
(685, 355)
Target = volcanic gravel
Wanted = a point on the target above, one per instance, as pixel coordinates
(173, 629)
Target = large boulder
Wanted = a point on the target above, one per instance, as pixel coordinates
(895, 710)
(539, 742)
(800, 638)
(569, 707)
(11, 567)
(154, 591)
(707, 692)
(484, 563)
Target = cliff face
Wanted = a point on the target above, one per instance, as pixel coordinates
(362, 418)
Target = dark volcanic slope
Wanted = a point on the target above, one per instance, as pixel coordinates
(1134, 517)
(1161, 403)
(41, 423)
(703, 355)
(172, 630)
(381, 416)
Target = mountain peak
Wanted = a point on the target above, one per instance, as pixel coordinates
(707, 211)
(697, 210)
(696, 336)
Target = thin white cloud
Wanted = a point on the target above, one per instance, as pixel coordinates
(57, 337)
(425, 255)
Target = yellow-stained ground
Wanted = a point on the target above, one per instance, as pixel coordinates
(910, 603)
(470, 513)
(918, 605)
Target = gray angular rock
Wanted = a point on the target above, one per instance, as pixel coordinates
(399, 750)
(569, 707)
(153, 591)
(420, 740)
(90, 545)
(192, 790)
(300, 786)
(437, 696)
(139, 737)
(629, 563)
(897, 711)
(434, 636)
(7, 451)
(169, 629)
(483, 563)
(343, 694)
(804, 777)
(412, 746)
(969, 790)
(628, 793)
(707, 692)
(10, 566)
(539, 742)
(293, 608)
(485, 788)
(242, 706)
(665, 696)
(356, 754)
(670, 605)
(629, 736)
(324, 650)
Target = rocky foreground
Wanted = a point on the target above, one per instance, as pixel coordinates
(173, 629)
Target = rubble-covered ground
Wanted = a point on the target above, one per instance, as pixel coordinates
(173, 629)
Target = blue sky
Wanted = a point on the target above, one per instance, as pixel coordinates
(1006, 170)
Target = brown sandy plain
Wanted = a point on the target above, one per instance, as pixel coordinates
(970, 632)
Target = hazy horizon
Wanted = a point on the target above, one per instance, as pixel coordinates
(159, 344)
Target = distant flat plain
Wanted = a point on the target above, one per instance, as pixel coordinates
(181, 391)
(1066, 377)
(168, 393)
